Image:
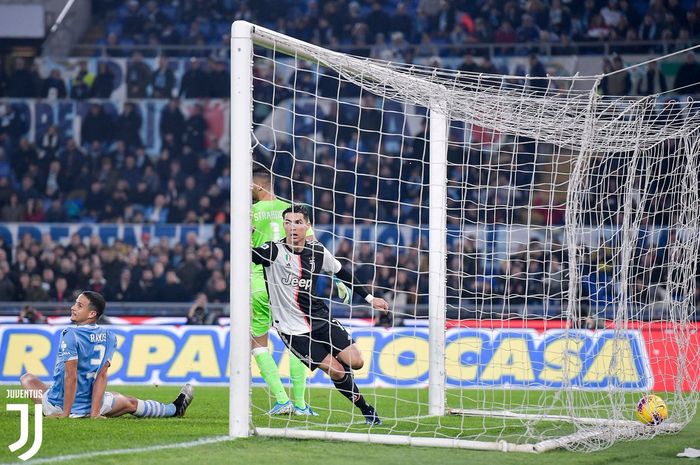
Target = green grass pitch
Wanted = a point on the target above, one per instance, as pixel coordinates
(208, 417)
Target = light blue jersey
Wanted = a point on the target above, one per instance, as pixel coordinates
(92, 346)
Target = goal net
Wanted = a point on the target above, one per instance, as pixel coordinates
(537, 243)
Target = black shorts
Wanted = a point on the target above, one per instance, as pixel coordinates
(311, 348)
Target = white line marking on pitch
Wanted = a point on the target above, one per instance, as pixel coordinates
(87, 455)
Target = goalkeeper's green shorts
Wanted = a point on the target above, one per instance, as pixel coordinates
(260, 306)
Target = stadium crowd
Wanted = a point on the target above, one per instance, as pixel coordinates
(152, 271)
(367, 25)
(108, 176)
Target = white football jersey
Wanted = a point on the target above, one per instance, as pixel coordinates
(291, 284)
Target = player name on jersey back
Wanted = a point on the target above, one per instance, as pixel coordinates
(99, 337)
(267, 215)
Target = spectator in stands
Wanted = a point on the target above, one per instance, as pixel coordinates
(528, 31)
(123, 290)
(401, 21)
(169, 36)
(35, 291)
(611, 14)
(158, 212)
(648, 29)
(13, 211)
(217, 288)
(127, 126)
(193, 84)
(23, 156)
(138, 77)
(112, 48)
(652, 81)
(153, 18)
(195, 128)
(54, 87)
(163, 79)
(72, 157)
(172, 121)
(56, 213)
(377, 20)
(619, 83)
(96, 127)
(487, 67)
(133, 22)
(178, 211)
(97, 282)
(61, 292)
(537, 70)
(103, 85)
(688, 76)
(34, 210)
(82, 82)
(49, 143)
(21, 83)
(559, 18)
(218, 80)
(12, 126)
(5, 188)
(7, 287)
(173, 290)
(149, 292)
(468, 64)
(597, 29)
(692, 23)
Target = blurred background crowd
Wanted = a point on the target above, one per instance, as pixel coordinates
(124, 131)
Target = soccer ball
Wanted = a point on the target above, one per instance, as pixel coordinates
(651, 410)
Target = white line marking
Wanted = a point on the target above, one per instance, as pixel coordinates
(87, 455)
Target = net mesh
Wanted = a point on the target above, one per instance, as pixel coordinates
(572, 239)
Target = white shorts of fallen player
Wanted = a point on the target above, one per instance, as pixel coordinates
(107, 404)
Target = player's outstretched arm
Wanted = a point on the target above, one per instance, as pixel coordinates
(70, 386)
(98, 391)
(376, 302)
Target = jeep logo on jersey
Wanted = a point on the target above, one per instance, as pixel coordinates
(294, 281)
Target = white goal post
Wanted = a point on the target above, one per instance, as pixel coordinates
(532, 256)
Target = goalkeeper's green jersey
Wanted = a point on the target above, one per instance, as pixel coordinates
(268, 224)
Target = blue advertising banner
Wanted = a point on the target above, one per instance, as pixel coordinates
(516, 358)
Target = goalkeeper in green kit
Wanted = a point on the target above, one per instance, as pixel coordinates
(268, 226)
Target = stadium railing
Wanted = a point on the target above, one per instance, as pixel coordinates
(480, 49)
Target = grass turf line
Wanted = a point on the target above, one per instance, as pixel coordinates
(208, 417)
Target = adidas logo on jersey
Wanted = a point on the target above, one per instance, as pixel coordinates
(294, 281)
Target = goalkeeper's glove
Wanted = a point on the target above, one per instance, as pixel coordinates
(344, 293)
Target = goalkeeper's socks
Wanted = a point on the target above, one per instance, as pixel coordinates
(270, 373)
(349, 389)
(153, 408)
(297, 373)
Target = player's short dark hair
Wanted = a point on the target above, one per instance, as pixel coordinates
(97, 302)
(260, 172)
(299, 208)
